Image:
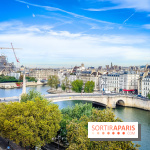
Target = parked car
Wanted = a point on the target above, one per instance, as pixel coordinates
(107, 92)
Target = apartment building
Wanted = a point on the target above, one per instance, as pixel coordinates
(128, 82)
(43, 73)
(145, 84)
(109, 82)
(113, 82)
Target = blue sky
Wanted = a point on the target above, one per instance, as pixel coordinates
(57, 33)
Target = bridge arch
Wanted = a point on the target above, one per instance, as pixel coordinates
(120, 102)
(94, 103)
(94, 100)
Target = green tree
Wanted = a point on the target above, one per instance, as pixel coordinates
(31, 123)
(7, 79)
(148, 95)
(77, 86)
(31, 95)
(21, 78)
(75, 112)
(53, 81)
(29, 79)
(65, 84)
(89, 87)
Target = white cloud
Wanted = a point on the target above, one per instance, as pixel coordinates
(42, 45)
(49, 8)
(141, 5)
(146, 26)
(33, 15)
(19, 27)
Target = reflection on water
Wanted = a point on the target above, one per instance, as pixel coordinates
(128, 115)
(63, 104)
(140, 116)
(17, 91)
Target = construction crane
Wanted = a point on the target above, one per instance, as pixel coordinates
(13, 51)
(15, 54)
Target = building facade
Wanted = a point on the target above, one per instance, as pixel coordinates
(42, 74)
(145, 85)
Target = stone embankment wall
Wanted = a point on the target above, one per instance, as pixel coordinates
(10, 85)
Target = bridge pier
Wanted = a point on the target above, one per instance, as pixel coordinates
(111, 102)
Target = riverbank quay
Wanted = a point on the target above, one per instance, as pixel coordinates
(11, 85)
(58, 91)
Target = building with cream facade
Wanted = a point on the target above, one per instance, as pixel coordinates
(126, 82)
(42, 74)
(145, 84)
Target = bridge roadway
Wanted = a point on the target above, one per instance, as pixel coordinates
(109, 100)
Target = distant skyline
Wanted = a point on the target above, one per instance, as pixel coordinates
(69, 32)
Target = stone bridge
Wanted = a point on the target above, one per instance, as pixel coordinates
(108, 101)
(104, 100)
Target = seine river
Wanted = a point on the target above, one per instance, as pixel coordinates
(126, 114)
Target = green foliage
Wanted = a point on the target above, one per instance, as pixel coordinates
(21, 78)
(89, 87)
(7, 79)
(148, 95)
(72, 73)
(77, 133)
(53, 81)
(65, 84)
(31, 123)
(31, 96)
(77, 86)
(30, 79)
(13, 79)
(70, 113)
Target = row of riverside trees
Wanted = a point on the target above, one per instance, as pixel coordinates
(36, 121)
(4, 79)
(76, 85)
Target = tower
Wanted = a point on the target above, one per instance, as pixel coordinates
(111, 65)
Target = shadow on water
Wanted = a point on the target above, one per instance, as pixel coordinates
(99, 106)
(71, 103)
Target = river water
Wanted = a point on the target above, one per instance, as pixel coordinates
(17, 91)
(125, 113)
